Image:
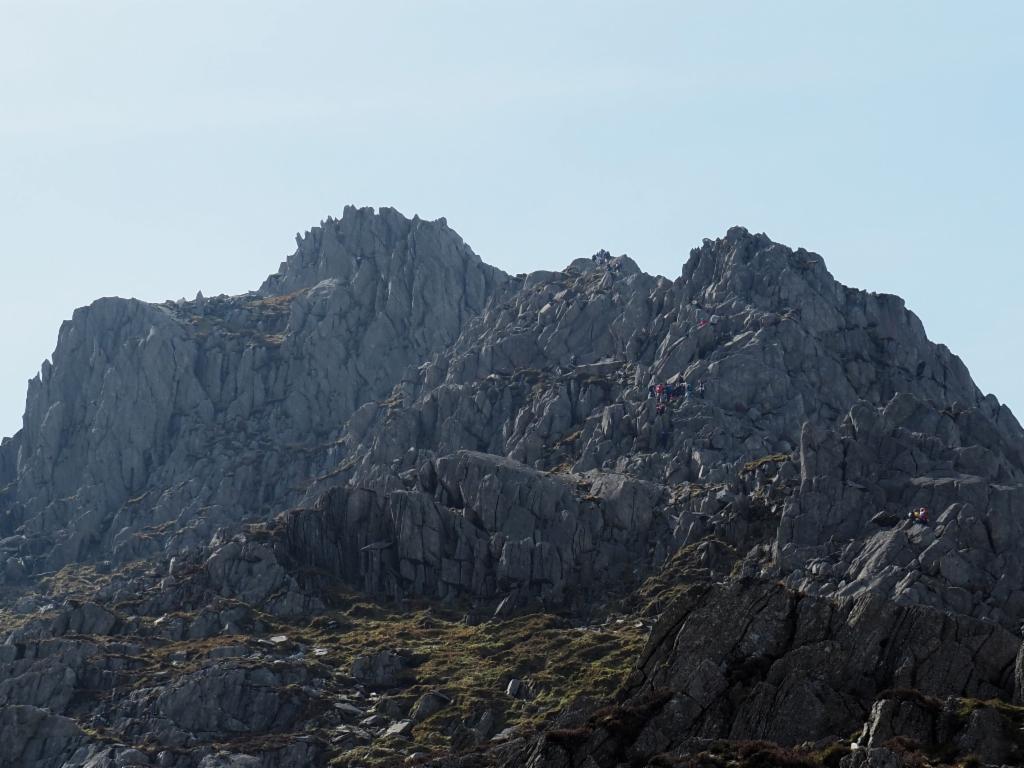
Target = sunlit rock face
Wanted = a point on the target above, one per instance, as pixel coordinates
(193, 415)
(397, 501)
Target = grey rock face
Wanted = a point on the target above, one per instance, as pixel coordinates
(788, 356)
(899, 458)
(780, 350)
(33, 738)
(806, 665)
(380, 669)
(9, 459)
(428, 704)
(517, 689)
(489, 527)
(974, 728)
(51, 686)
(200, 413)
(754, 662)
(547, 370)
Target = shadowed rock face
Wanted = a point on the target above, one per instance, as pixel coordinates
(389, 415)
(485, 527)
(793, 669)
(798, 668)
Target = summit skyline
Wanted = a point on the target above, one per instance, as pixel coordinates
(155, 152)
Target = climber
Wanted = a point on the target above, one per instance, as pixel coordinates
(700, 388)
(660, 409)
(660, 392)
(702, 324)
(650, 391)
(922, 515)
(670, 392)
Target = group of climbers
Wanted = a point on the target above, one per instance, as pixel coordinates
(666, 393)
(604, 259)
(919, 515)
(713, 320)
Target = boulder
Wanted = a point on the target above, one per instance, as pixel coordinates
(382, 669)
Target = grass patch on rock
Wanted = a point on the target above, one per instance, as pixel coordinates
(473, 664)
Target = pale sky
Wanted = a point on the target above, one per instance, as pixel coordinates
(153, 149)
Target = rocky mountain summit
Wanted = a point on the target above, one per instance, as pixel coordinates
(398, 507)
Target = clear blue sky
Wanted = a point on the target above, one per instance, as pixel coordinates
(153, 149)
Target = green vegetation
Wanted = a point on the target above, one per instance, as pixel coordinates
(775, 458)
(969, 706)
(473, 664)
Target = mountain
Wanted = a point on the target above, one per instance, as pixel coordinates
(192, 415)
(397, 505)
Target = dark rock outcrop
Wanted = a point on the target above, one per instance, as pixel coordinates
(788, 668)
(755, 662)
(484, 526)
(33, 738)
